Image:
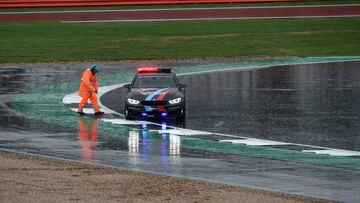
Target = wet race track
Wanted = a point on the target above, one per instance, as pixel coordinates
(281, 125)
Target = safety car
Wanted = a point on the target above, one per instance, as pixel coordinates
(154, 93)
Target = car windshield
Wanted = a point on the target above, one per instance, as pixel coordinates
(154, 81)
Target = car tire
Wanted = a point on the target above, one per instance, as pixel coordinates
(127, 115)
(181, 115)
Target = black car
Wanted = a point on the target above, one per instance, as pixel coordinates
(155, 92)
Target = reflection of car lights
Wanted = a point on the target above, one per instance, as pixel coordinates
(174, 145)
(163, 114)
(163, 126)
(133, 101)
(144, 114)
(133, 142)
(144, 126)
(175, 101)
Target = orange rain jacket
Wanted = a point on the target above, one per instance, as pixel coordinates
(88, 84)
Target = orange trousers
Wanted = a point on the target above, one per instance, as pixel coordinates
(93, 99)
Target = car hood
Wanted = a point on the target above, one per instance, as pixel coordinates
(148, 94)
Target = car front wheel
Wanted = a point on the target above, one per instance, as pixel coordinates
(127, 114)
(181, 115)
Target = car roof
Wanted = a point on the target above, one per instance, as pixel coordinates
(153, 70)
(154, 74)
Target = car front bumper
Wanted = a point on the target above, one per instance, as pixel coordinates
(167, 111)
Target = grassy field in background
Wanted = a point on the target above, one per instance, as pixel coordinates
(48, 42)
(211, 5)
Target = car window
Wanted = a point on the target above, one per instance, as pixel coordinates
(154, 82)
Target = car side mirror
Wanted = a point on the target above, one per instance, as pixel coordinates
(182, 85)
(127, 86)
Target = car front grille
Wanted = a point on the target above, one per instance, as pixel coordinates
(153, 103)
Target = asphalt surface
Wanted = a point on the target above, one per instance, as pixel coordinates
(325, 11)
(307, 104)
(311, 104)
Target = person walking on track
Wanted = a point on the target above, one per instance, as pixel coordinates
(88, 90)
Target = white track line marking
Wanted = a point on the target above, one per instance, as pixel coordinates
(73, 98)
(255, 142)
(120, 121)
(184, 132)
(85, 110)
(334, 152)
(204, 19)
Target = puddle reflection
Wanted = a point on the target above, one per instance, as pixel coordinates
(133, 142)
(143, 144)
(88, 138)
(174, 145)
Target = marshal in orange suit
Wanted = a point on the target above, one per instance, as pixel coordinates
(89, 89)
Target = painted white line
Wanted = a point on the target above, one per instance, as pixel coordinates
(119, 121)
(86, 110)
(184, 9)
(334, 152)
(209, 19)
(184, 132)
(73, 98)
(91, 110)
(255, 142)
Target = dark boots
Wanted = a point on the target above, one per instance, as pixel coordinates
(99, 113)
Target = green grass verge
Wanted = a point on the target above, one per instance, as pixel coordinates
(48, 42)
(211, 5)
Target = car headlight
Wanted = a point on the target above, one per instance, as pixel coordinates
(133, 101)
(175, 101)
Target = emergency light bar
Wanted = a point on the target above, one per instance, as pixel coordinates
(153, 69)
